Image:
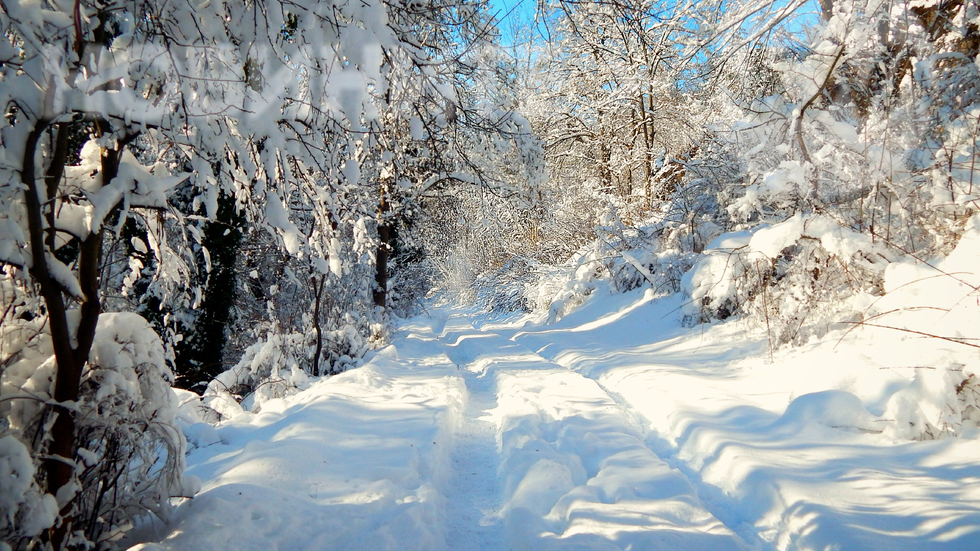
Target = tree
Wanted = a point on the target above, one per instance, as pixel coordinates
(60, 81)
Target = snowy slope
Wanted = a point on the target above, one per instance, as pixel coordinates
(792, 453)
(615, 428)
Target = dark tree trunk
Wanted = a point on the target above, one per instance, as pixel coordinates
(647, 129)
(384, 247)
(826, 9)
(70, 359)
(318, 293)
(381, 273)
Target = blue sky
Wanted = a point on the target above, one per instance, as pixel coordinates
(513, 12)
(510, 11)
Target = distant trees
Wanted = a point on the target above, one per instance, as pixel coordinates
(615, 72)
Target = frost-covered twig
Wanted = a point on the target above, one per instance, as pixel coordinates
(798, 123)
(957, 340)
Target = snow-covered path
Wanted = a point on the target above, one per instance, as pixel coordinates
(474, 521)
(575, 473)
(613, 429)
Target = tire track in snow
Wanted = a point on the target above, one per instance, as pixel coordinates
(474, 495)
(577, 473)
(709, 496)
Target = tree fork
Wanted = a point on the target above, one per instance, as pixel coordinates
(58, 467)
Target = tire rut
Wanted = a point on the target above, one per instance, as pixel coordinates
(707, 495)
(483, 355)
(474, 522)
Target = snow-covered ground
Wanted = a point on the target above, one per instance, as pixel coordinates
(614, 428)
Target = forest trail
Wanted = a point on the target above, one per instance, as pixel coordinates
(615, 428)
(474, 519)
(576, 474)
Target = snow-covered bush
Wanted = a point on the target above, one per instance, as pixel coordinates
(795, 276)
(622, 258)
(504, 289)
(941, 401)
(130, 451)
(567, 222)
(561, 289)
(457, 272)
(26, 511)
(280, 364)
(270, 368)
(409, 284)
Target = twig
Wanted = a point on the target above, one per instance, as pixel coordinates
(950, 339)
(799, 118)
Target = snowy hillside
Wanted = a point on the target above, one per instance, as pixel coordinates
(613, 428)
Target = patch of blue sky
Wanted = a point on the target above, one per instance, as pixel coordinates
(512, 16)
(517, 15)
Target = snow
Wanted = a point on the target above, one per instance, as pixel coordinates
(16, 475)
(22, 507)
(11, 240)
(615, 427)
(785, 452)
(771, 240)
(63, 275)
(278, 218)
(415, 127)
(354, 462)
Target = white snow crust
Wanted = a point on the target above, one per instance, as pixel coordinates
(614, 428)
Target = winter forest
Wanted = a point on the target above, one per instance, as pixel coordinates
(455, 275)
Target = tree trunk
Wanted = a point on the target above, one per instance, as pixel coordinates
(58, 466)
(604, 161)
(317, 294)
(384, 246)
(826, 9)
(647, 152)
